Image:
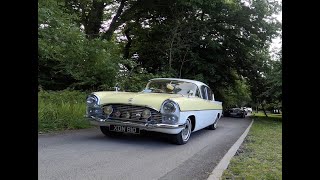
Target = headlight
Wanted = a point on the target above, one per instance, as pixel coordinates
(170, 119)
(125, 114)
(170, 112)
(92, 100)
(93, 108)
(107, 110)
(146, 114)
(169, 108)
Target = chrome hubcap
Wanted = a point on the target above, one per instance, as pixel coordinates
(186, 131)
(215, 124)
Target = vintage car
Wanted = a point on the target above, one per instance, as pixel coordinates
(176, 107)
(235, 112)
(248, 109)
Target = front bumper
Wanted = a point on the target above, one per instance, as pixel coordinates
(145, 126)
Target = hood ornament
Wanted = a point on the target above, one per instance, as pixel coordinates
(130, 99)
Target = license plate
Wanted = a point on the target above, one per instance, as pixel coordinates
(125, 129)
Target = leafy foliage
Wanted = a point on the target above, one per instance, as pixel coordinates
(237, 96)
(61, 110)
(67, 59)
(205, 40)
(223, 43)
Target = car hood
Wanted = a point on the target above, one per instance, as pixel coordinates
(153, 100)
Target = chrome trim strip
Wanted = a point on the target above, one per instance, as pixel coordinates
(98, 102)
(105, 122)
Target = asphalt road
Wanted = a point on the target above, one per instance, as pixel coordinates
(88, 154)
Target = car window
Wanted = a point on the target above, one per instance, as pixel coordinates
(197, 93)
(209, 93)
(204, 92)
(178, 87)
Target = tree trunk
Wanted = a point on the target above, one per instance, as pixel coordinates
(92, 22)
(264, 111)
(113, 25)
(202, 15)
(183, 61)
(171, 46)
(128, 45)
(170, 53)
(181, 69)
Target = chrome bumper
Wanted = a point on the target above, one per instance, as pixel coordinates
(106, 122)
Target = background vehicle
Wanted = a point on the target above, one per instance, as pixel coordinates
(235, 112)
(247, 109)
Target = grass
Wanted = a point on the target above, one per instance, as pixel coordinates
(260, 114)
(61, 110)
(260, 155)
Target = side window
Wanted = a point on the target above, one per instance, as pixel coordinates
(204, 92)
(209, 94)
(198, 93)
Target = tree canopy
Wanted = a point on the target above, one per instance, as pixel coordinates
(92, 44)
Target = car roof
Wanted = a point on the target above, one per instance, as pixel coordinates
(198, 83)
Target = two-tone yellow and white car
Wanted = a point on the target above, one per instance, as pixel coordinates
(176, 107)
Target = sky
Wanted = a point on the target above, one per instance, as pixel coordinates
(277, 42)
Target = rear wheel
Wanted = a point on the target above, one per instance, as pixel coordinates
(214, 125)
(184, 135)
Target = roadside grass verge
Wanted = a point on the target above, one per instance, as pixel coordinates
(61, 110)
(260, 155)
(277, 117)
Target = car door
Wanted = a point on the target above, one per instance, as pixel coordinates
(206, 116)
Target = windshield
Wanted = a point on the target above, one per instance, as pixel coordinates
(171, 87)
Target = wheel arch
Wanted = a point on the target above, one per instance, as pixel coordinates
(193, 121)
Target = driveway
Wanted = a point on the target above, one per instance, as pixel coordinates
(88, 154)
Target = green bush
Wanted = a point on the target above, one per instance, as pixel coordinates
(61, 110)
(66, 58)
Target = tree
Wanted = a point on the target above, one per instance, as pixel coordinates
(222, 43)
(266, 84)
(204, 40)
(67, 59)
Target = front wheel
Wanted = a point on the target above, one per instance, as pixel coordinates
(184, 135)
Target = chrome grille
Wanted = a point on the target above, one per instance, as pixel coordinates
(134, 111)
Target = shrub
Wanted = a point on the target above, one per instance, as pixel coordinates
(61, 110)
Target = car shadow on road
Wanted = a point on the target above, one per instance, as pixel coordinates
(133, 139)
(147, 139)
